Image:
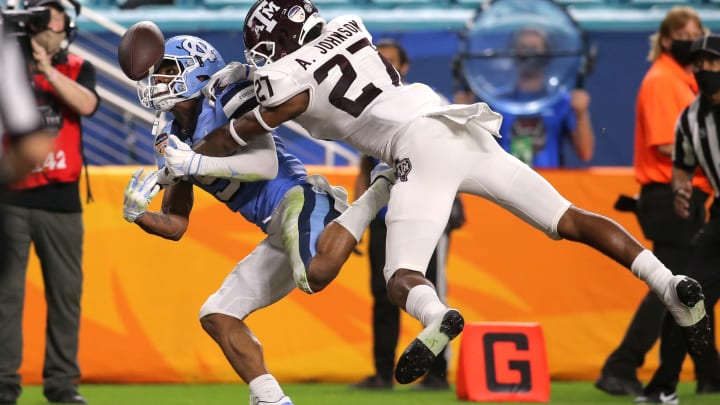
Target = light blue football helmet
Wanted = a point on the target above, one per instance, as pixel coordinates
(196, 60)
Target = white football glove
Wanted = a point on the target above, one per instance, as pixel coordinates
(231, 73)
(165, 178)
(180, 160)
(139, 192)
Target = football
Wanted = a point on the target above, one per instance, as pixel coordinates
(141, 47)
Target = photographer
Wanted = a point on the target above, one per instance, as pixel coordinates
(44, 209)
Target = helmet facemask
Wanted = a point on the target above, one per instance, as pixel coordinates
(162, 91)
(261, 54)
(187, 65)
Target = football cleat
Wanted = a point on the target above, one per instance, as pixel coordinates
(420, 354)
(685, 301)
(658, 398)
(282, 401)
(689, 291)
(698, 337)
(619, 385)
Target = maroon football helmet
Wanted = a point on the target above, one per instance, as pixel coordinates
(275, 28)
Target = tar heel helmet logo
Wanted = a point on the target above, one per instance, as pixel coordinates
(264, 16)
(197, 48)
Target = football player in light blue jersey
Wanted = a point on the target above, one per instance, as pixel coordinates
(254, 194)
(304, 247)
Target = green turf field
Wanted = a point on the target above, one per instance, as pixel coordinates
(566, 393)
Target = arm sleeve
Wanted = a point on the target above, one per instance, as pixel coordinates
(258, 161)
(18, 108)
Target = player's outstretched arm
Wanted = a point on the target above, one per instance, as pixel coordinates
(228, 139)
(256, 161)
(172, 222)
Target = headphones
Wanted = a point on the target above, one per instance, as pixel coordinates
(71, 28)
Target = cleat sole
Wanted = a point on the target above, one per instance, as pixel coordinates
(417, 357)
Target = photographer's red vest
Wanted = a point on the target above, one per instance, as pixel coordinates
(64, 164)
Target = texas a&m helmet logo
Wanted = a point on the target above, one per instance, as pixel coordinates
(263, 17)
(402, 169)
(267, 14)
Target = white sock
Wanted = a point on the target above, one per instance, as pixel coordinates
(358, 216)
(266, 388)
(649, 269)
(424, 304)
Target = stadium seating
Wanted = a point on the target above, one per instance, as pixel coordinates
(412, 3)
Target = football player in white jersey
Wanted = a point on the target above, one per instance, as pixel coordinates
(331, 80)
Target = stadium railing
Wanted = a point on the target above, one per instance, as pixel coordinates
(405, 3)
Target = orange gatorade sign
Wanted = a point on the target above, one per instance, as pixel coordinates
(503, 362)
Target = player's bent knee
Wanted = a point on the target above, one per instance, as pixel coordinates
(318, 283)
(315, 287)
(319, 276)
(210, 324)
(216, 325)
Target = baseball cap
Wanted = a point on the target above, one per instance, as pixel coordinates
(40, 3)
(708, 44)
(43, 3)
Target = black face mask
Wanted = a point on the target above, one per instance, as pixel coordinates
(708, 82)
(680, 51)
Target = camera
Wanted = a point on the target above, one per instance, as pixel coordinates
(23, 24)
(27, 22)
